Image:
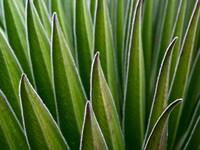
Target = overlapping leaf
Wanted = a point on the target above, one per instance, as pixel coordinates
(10, 73)
(92, 137)
(104, 44)
(104, 107)
(40, 56)
(10, 128)
(180, 79)
(15, 29)
(133, 113)
(42, 131)
(70, 95)
(84, 41)
(156, 133)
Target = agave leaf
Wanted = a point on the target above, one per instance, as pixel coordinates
(84, 41)
(167, 28)
(178, 31)
(104, 44)
(193, 141)
(153, 141)
(44, 15)
(192, 97)
(70, 94)
(127, 33)
(10, 127)
(40, 57)
(133, 123)
(161, 91)
(180, 79)
(65, 25)
(147, 34)
(15, 29)
(186, 134)
(91, 137)
(104, 107)
(10, 74)
(42, 131)
(119, 35)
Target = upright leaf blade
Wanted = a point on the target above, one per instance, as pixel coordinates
(44, 15)
(179, 82)
(155, 135)
(65, 24)
(40, 57)
(10, 128)
(104, 44)
(84, 36)
(70, 94)
(91, 137)
(104, 107)
(10, 73)
(15, 29)
(41, 129)
(133, 123)
(162, 87)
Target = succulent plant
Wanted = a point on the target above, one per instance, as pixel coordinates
(99, 74)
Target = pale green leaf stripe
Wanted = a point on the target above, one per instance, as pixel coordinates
(179, 82)
(156, 133)
(44, 15)
(15, 29)
(193, 141)
(162, 87)
(10, 73)
(104, 107)
(91, 136)
(70, 95)
(178, 31)
(10, 128)
(65, 24)
(104, 44)
(42, 131)
(84, 39)
(93, 5)
(40, 56)
(134, 102)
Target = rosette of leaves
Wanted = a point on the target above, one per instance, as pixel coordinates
(99, 74)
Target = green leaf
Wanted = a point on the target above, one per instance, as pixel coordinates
(57, 6)
(93, 6)
(84, 39)
(15, 29)
(147, 34)
(40, 57)
(41, 129)
(133, 123)
(153, 141)
(91, 137)
(70, 94)
(44, 15)
(192, 97)
(162, 87)
(10, 73)
(104, 107)
(104, 44)
(180, 79)
(178, 31)
(193, 142)
(10, 128)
